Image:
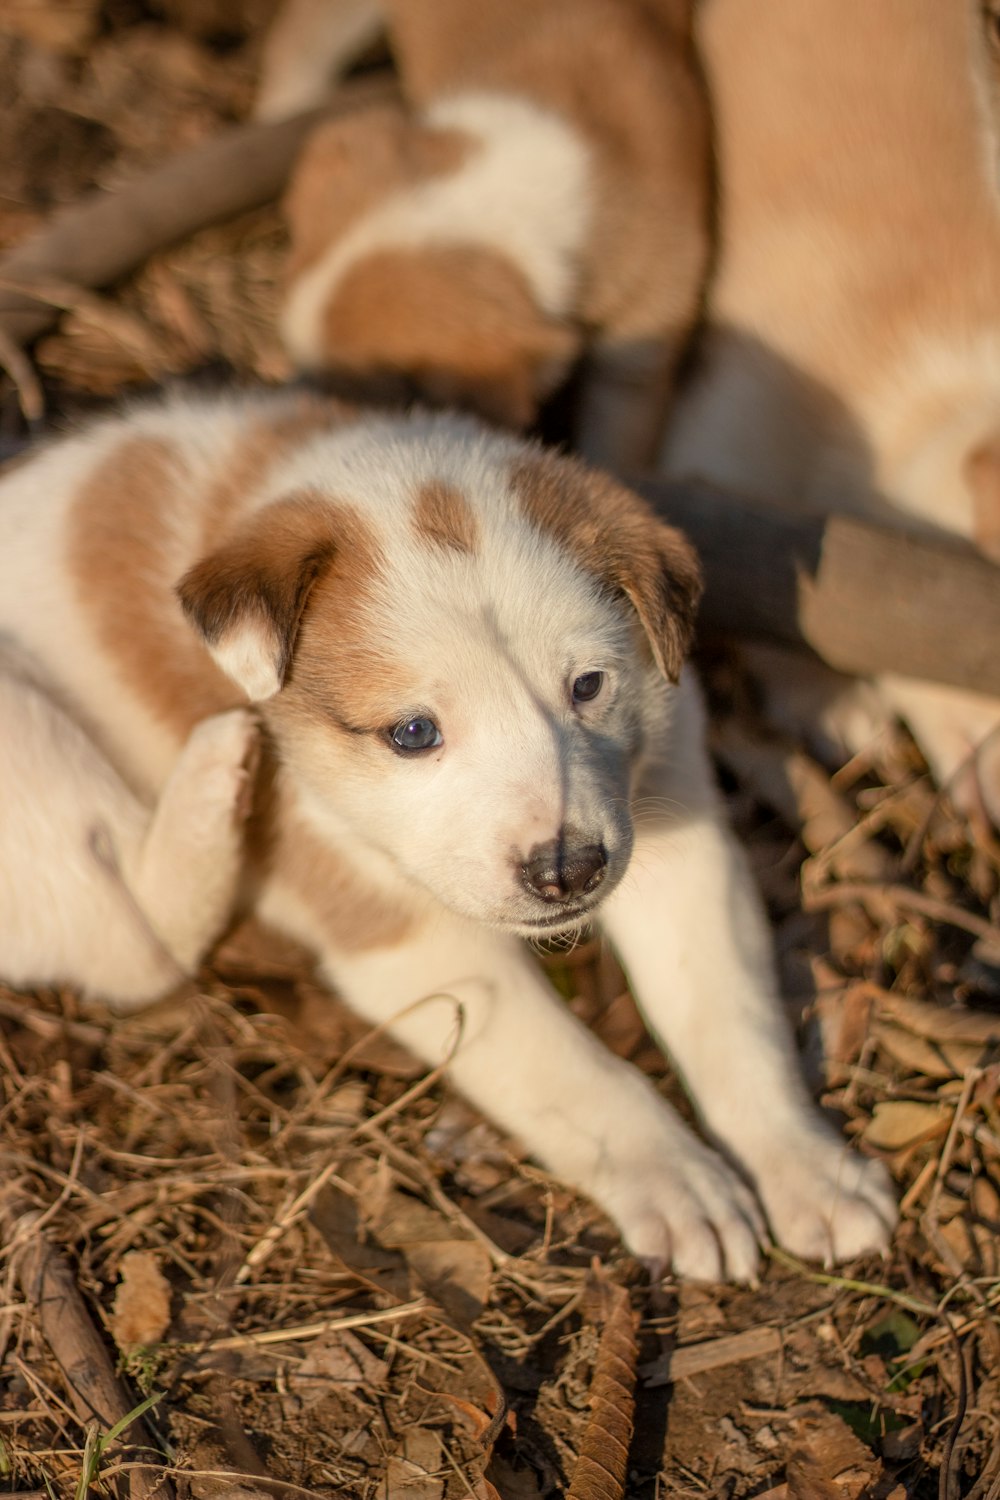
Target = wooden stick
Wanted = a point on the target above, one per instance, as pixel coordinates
(95, 242)
(863, 596)
(66, 1326)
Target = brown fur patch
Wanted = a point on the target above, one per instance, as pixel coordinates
(460, 321)
(270, 440)
(982, 474)
(350, 166)
(120, 551)
(354, 914)
(124, 558)
(344, 671)
(444, 516)
(615, 536)
(623, 73)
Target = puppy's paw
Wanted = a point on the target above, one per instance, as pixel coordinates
(684, 1209)
(825, 1202)
(218, 765)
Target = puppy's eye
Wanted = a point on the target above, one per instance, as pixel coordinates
(587, 686)
(416, 734)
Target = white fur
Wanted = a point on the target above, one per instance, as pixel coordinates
(523, 192)
(489, 642)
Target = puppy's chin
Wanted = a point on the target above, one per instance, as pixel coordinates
(569, 921)
(563, 929)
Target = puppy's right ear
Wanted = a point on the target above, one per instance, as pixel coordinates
(247, 598)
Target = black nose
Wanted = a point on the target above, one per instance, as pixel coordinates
(559, 870)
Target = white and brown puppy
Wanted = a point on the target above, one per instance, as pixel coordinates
(852, 359)
(467, 659)
(549, 195)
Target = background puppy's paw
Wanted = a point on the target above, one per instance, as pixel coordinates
(825, 1202)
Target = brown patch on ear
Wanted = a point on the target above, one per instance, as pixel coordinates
(349, 166)
(615, 536)
(247, 597)
(459, 321)
(982, 475)
(444, 516)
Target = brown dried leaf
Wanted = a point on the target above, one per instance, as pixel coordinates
(414, 1474)
(829, 1462)
(456, 1273)
(336, 1359)
(898, 1123)
(452, 1268)
(141, 1312)
(918, 1055)
(601, 1466)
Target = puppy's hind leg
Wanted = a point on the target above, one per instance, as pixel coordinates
(95, 891)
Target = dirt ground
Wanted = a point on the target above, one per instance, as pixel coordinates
(324, 1271)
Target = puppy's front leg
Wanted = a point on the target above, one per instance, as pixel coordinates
(591, 1118)
(688, 927)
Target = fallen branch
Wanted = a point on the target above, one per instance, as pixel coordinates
(95, 242)
(713, 1354)
(92, 1386)
(863, 596)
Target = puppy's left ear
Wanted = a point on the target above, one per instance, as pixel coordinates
(246, 599)
(617, 537)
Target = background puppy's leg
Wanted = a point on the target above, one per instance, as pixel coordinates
(591, 1118)
(689, 929)
(959, 734)
(624, 398)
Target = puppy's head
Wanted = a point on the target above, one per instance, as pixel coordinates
(375, 296)
(461, 646)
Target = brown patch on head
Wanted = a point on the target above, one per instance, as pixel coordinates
(271, 439)
(124, 554)
(444, 516)
(458, 321)
(344, 672)
(119, 549)
(614, 535)
(247, 598)
(349, 166)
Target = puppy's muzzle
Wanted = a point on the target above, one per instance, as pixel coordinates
(561, 871)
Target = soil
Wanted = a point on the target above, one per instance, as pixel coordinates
(329, 1274)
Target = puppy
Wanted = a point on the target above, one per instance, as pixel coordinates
(466, 655)
(548, 197)
(852, 359)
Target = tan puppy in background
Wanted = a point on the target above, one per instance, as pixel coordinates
(852, 359)
(467, 659)
(547, 198)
